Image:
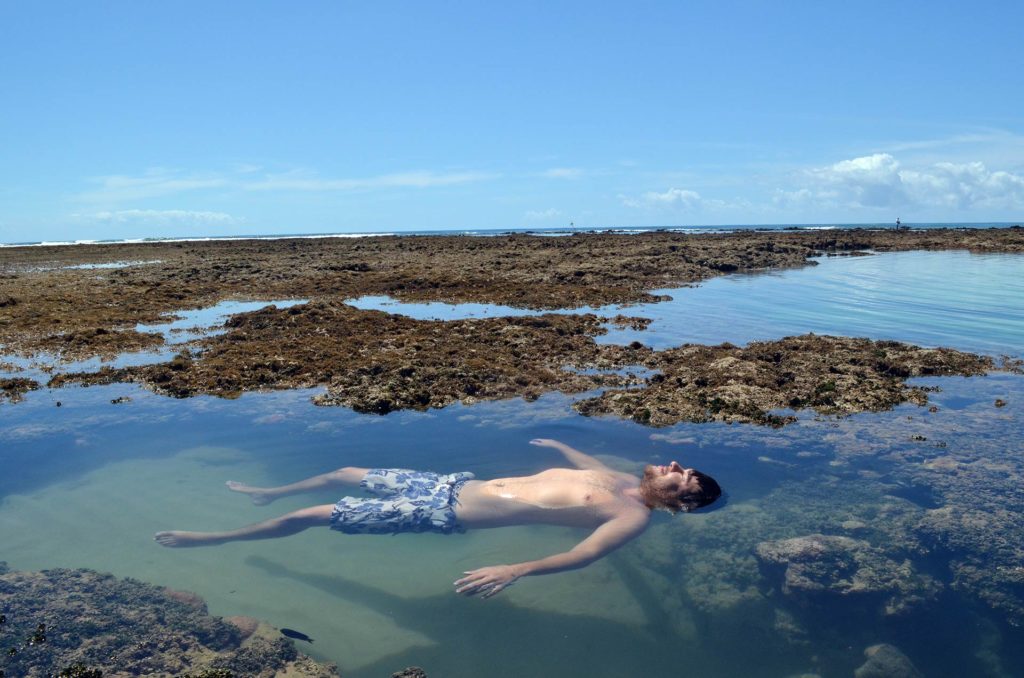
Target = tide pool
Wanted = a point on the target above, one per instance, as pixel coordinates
(88, 483)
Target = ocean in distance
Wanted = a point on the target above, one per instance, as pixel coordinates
(554, 231)
(919, 513)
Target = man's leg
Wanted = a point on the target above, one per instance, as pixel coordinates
(350, 475)
(284, 526)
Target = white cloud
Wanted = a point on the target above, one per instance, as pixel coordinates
(163, 217)
(543, 215)
(676, 198)
(881, 181)
(562, 173)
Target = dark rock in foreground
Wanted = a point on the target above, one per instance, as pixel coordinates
(79, 622)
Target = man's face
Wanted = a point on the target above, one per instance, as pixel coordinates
(673, 479)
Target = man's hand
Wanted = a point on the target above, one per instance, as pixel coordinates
(487, 581)
(546, 442)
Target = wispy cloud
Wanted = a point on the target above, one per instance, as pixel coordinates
(543, 215)
(118, 189)
(163, 217)
(562, 173)
(297, 181)
(981, 138)
(153, 183)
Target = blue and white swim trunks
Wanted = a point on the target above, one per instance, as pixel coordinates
(410, 501)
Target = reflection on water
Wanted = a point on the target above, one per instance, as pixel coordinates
(205, 322)
(956, 299)
(900, 528)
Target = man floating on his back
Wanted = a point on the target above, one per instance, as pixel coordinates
(616, 506)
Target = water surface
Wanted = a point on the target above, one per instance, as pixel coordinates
(86, 484)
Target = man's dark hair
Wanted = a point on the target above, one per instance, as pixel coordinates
(709, 491)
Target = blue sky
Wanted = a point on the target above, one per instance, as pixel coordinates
(139, 119)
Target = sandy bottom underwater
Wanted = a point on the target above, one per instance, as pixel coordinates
(369, 602)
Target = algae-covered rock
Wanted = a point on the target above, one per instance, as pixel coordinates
(830, 375)
(823, 565)
(79, 623)
(886, 661)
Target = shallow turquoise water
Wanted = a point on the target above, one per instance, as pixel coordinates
(86, 484)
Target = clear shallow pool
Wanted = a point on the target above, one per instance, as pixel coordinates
(86, 484)
(967, 301)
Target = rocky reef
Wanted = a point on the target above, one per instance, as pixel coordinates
(377, 362)
(81, 623)
(830, 375)
(809, 567)
(46, 304)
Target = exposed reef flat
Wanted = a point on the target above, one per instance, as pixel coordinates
(831, 375)
(43, 299)
(63, 621)
(378, 362)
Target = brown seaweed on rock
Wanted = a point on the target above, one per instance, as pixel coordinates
(377, 362)
(831, 375)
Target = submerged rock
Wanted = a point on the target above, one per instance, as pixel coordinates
(68, 621)
(411, 672)
(886, 661)
(819, 565)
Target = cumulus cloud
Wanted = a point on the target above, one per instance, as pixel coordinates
(676, 198)
(881, 181)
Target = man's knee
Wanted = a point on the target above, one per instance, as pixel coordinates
(314, 515)
(349, 474)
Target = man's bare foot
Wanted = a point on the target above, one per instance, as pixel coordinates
(258, 495)
(179, 539)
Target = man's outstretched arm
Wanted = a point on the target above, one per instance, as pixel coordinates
(487, 581)
(575, 457)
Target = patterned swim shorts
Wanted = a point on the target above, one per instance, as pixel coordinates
(410, 501)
